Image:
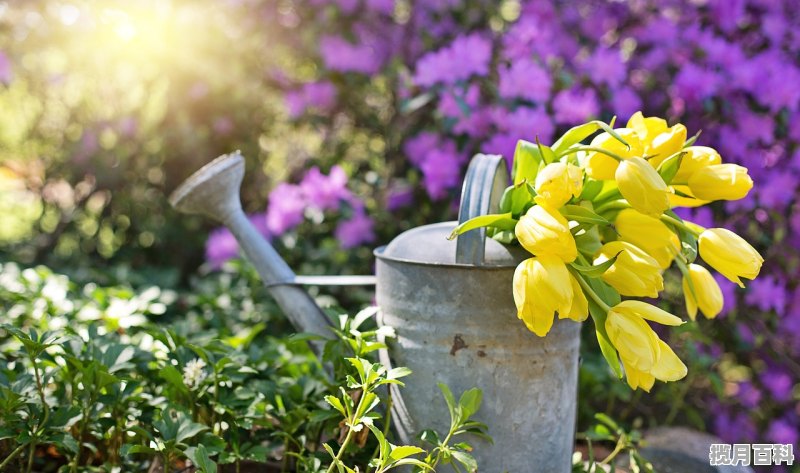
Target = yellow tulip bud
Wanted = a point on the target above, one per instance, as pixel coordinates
(646, 128)
(707, 291)
(602, 167)
(696, 158)
(729, 254)
(635, 341)
(579, 310)
(557, 183)
(541, 288)
(668, 368)
(544, 231)
(642, 187)
(666, 144)
(649, 234)
(721, 182)
(634, 273)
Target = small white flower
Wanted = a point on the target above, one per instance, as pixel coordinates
(193, 373)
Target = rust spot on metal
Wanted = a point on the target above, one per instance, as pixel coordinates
(481, 353)
(458, 344)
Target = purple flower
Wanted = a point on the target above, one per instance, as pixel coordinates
(5, 69)
(605, 66)
(286, 207)
(503, 144)
(699, 215)
(355, 231)
(766, 293)
(399, 197)
(221, 246)
(324, 192)
(417, 147)
(525, 79)
(748, 395)
(775, 190)
(466, 56)
(575, 105)
(693, 84)
(341, 55)
(783, 431)
(625, 101)
(734, 428)
(318, 95)
(779, 384)
(441, 170)
(525, 123)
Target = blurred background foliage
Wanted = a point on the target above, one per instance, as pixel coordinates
(105, 106)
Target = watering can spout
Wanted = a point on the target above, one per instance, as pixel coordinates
(213, 191)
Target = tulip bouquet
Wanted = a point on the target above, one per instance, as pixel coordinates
(597, 219)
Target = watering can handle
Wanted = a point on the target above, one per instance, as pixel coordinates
(487, 178)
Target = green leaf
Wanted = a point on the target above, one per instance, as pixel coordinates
(449, 399)
(581, 132)
(669, 167)
(466, 459)
(605, 419)
(688, 240)
(403, 451)
(399, 372)
(693, 139)
(597, 270)
(470, 402)
(506, 200)
(582, 215)
(526, 162)
(200, 459)
(174, 377)
(606, 347)
(502, 221)
(591, 187)
(547, 154)
(336, 404)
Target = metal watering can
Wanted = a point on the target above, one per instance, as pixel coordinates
(451, 305)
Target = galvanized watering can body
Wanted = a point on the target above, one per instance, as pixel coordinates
(451, 304)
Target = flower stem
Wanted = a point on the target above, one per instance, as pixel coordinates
(589, 291)
(613, 205)
(349, 435)
(590, 148)
(11, 456)
(679, 224)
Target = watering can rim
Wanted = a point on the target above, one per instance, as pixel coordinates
(380, 254)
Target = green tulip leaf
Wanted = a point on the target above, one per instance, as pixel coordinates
(597, 270)
(579, 133)
(582, 215)
(526, 162)
(669, 167)
(502, 221)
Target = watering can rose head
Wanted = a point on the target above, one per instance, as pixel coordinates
(599, 223)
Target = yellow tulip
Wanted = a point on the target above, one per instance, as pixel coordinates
(642, 187)
(557, 183)
(635, 341)
(721, 182)
(729, 254)
(646, 128)
(668, 368)
(544, 231)
(707, 291)
(602, 167)
(658, 140)
(579, 310)
(644, 356)
(542, 287)
(696, 158)
(666, 144)
(649, 234)
(634, 273)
